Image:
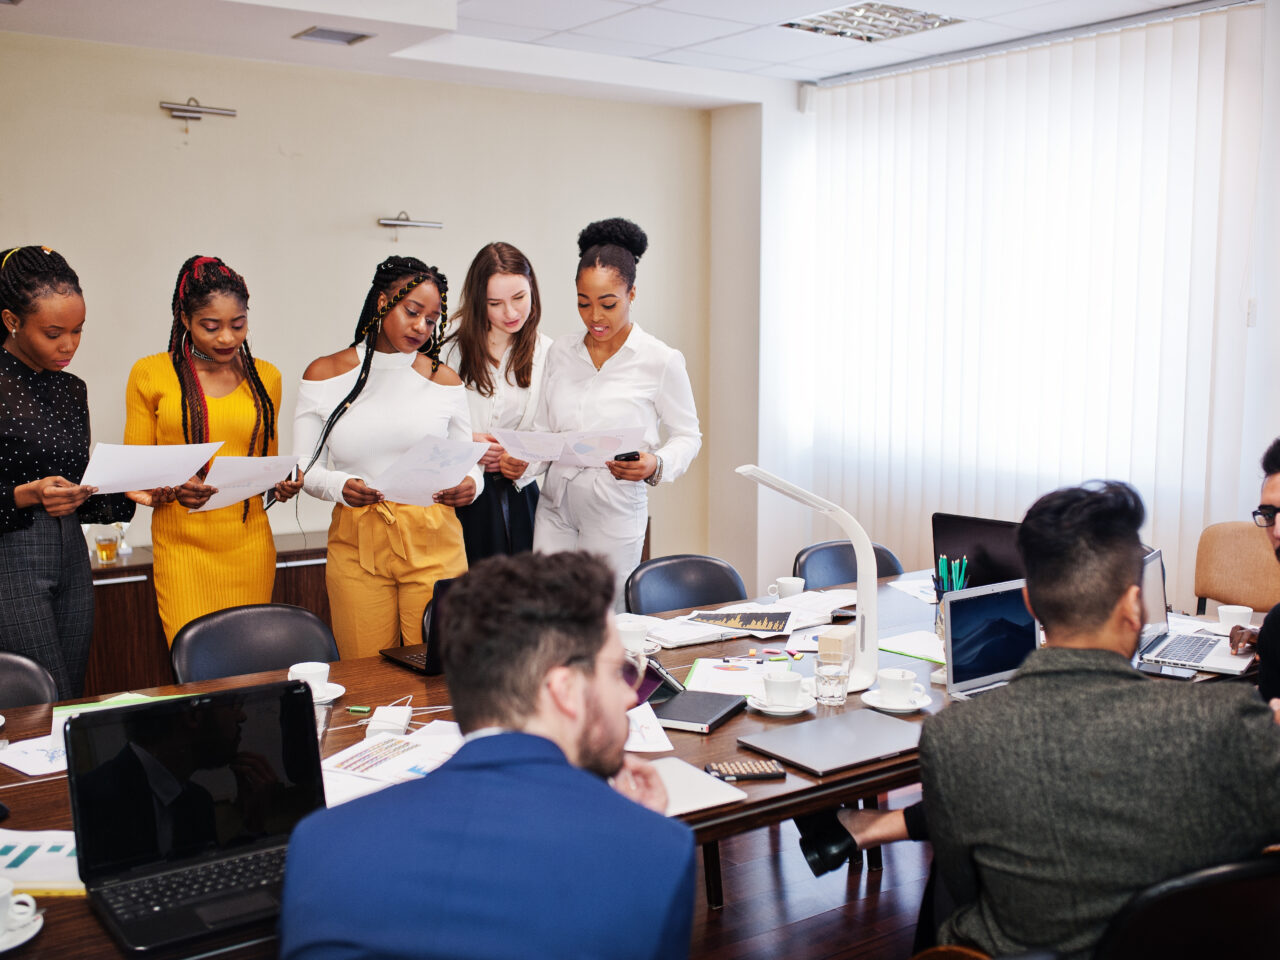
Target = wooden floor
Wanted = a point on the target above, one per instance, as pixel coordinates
(775, 908)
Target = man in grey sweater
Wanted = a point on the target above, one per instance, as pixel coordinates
(1055, 799)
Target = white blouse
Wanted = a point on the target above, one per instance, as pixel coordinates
(510, 407)
(644, 384)
(396, 409)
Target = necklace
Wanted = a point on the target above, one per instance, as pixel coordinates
(195, 352)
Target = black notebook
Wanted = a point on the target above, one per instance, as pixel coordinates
(698, 710)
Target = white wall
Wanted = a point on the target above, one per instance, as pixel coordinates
(288, 192)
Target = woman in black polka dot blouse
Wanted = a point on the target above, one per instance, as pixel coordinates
(46, 590)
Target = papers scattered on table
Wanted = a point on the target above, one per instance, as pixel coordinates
(577, 448)
(36, 757)
(118, 467)
(922, 590)
(429, 466)
(738, 676)
(1178, 623)
(689, 788)
(683, 632)
(647, 734)
(921, 644)
(378, 762)
(40, 862)
(752, 619)
(238, 478)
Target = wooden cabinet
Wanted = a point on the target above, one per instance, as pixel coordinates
(129, 649)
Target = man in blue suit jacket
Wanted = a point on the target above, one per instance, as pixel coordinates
(517, 846)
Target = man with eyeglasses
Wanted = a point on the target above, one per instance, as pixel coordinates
(1267, 638)
(520, 845)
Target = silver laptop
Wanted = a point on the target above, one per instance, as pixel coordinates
(836, 743)
(1201, 650)
(989, 632)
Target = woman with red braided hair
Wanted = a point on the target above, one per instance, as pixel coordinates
(208, 387)
(358, 411)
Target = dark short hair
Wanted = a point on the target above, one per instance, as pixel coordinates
(509, 620)
(1081, 551)
(1271, 459)
(615, 244)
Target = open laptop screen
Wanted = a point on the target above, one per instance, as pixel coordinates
(990, 631)
(991, 547)
(1157, 625)
(180, 780)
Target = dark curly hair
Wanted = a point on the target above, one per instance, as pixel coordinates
(28, 274)
(616, 244)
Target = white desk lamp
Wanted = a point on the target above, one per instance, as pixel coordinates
(867, 660)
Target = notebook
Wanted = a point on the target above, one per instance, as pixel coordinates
(989, 632)
(424, 657)
(698, 710)
(183, 808)
(1195, 650)
(836, 743)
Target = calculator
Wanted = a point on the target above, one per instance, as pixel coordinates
(747, 770)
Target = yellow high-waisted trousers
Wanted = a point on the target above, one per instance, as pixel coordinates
(383, 564)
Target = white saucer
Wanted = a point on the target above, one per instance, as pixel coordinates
(777, 710)
(330, 693)
(651, 647)
(20, 935)
(872, 699)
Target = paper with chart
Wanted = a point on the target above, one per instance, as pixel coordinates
(531, 446)
(394, 759)
(36, 757)
(647, 735)
(120, 467)
(591, 448)
(737, 675)
(429, 466)
(40, 862)
(238, 478)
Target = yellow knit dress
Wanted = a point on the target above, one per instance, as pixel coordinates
(203, 561)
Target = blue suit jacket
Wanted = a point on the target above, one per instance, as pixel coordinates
(505, 851)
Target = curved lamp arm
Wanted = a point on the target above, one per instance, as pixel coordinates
(867, 662)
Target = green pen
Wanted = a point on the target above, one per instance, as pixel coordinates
(964, 570)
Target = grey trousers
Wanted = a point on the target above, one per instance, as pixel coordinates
(46, 598)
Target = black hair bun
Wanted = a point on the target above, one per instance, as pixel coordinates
(617, 232)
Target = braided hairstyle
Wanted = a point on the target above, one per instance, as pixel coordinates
(616, 244)
(393, 279)
(199, 280)
(28, 274)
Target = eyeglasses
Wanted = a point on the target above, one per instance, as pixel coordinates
(634, 664)
(1265, 516)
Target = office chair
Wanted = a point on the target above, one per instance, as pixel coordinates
(1223, 911)
(832, 561)
(682, 580)
(432, 663)
(24, 683)
(250, 639)
(1235, 564)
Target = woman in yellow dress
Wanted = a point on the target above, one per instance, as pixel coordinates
(208, 387)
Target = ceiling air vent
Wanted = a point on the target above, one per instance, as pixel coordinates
(871, 22)
(325, 35)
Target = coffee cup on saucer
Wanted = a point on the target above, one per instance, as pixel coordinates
(1234, 615)
(632, 635)
(899, 689)
(786, 587)
(316, 676)
(782, 689)
(16, 909)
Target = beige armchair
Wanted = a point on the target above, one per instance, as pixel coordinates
(1235, 564)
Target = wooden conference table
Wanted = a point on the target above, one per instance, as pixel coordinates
(72, 931)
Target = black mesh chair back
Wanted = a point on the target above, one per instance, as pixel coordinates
(682, 580)
(250, 639)
(832, 561)
(24, 683)
(1223, 911)
(433, 665)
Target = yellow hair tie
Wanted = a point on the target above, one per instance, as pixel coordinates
(7, 256)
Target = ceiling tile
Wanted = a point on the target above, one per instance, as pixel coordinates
(857, 56)
(957, 36)
(499, 31)
(758, 12)
(973, 9)
(692, 58)
(788, 71)
(774, 45)
(1060, 14)
(662, 27)
(605, 45)
(545, 14)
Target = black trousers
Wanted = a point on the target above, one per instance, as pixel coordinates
(500, 521)
(46, 598)
(1269, 655)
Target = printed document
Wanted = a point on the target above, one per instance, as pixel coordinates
(238, 478)
(429, 466)
(120, 467)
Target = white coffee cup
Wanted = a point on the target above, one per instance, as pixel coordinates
(898, 687)
(782, 688)
(16, 909)
(632, 634)
(786, 587)
(1234, 615)
(316, 675)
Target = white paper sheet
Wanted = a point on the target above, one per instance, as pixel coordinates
(921, 644)
(591, 448)
(531, 446)
(429, 466)
(922, 590)
(392, 759)
(740, 675)
(345, 787)
(647, 734)
(238, 478)
(682, 632)
(40, 861)
(119, 467)
(689, 788)
(806, 640)
(36, 757)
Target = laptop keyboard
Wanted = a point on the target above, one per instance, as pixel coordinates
(1188, 648)
(137, 898)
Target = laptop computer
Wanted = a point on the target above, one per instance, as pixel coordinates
(1197, 651)
(424, 657)
(183, 808)
(989, 632)
(991, 547)
(836, 743)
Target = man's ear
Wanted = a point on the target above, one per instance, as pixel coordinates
(1130, 609)
(1026, 600)
(564, 689)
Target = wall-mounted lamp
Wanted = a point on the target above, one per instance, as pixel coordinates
(192, 110)
(402, 219)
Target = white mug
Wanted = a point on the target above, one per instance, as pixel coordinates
(16, 909)
(632, 634)
(316, 675)
(782, 688)
(898, 687)
(786, 587)
(1234, 615)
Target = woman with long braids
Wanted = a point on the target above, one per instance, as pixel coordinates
(613, 376)
(46, 588)
(500, 356)
(358, 411)
(207, 387)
